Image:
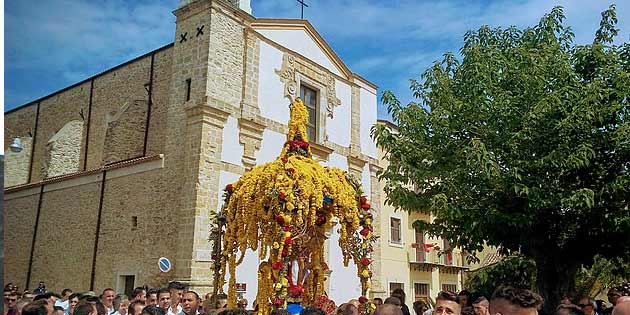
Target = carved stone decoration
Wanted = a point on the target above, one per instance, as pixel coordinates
(250, 136)
(287, 76)
(292, 65)
(331, 95)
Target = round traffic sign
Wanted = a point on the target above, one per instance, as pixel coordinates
(164, 264)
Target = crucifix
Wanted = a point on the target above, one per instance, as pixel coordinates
(303, 4)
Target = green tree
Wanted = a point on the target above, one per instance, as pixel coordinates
(523, 144)
(515, 271)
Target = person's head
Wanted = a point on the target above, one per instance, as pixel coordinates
(101, 309)
(121, 303)
(464, 297)
(35, 309)
(622, 307)
(507, 300)
(152, 310)
(347, 309)
(221, 300)
(41, 285)
(85, 308)
(242, 303)
(388, 309)
(152, 299)
(164, 298)
(65, 293)
(139, 294)
(481, 305)
(393, 300)
(10, 299)
(27, 294)
(177, 290)
(20, 305)
(568, 309)
(587, 305)
(135, 308)
(400, 294)
(447, 303)
(419, 307)
(377, 301)
(108, 297)
(613, 294)
(565, 299)
(58, 310)
(190, 302)
(73, 300)
(312, 311)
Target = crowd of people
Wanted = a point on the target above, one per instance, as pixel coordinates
(176, 299)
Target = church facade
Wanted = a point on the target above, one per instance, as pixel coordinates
(129, 165)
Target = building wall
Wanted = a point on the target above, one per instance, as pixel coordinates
(235, 116)
(19, 222)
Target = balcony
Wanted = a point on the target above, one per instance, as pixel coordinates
(427, 259)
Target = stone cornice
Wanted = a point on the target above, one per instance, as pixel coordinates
(202, 112)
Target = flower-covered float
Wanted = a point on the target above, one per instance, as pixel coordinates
(284, 209)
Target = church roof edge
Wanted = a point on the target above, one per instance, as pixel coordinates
(310, 29)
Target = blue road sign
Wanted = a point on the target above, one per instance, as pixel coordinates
(164, 264)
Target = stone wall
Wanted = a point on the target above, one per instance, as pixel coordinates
(112, 92)
(55, 112)
(19, 220)
(225, 65)
(63, 150)
(17, 164)
(65, 238)
(124, 138)
(137, 229)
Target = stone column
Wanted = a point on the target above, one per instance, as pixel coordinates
(204, 134)
(355, 119)
(375, 201)
(355, 167)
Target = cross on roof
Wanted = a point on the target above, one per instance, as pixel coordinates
(303, 4)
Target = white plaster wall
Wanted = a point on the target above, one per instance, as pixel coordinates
(247, 272)
(344, 282)
(365, 181)
(338, 128)
(270, 146)
(225, 178)
(337, 160)
(232, 150)
(302, 43)
(271, 100)
(368, 119)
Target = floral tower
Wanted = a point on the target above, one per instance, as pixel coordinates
(284, 209)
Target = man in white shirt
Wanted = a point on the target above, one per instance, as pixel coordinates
(177, 291)
(108, 300)
(64, 302)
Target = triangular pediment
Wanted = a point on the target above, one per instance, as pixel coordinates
(300, 36)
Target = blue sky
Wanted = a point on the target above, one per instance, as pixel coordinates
(54, 43)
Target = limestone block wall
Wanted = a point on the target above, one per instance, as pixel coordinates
(63, 150)
(19, 220)
(55, 112)
(112, 92)
(65, 237)
(159, 101)
(19, 122)
(17, 164)
(137, 228)
(124, 138)
(225, 64)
